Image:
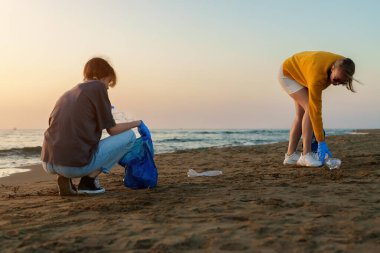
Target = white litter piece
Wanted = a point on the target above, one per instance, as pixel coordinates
(7, 172)
(358, 133)
(333, 163)
(209, 173)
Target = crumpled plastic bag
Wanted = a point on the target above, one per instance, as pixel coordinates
(209, 173)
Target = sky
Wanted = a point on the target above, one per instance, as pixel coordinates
(186, 64)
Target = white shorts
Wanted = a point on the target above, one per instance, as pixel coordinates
(289, 85)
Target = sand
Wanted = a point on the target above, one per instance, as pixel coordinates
(257, 205)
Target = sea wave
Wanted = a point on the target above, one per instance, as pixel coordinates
(26, 151)
(179, 140)
(251, 131)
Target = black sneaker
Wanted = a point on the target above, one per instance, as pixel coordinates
(66, 186)
(89, 185)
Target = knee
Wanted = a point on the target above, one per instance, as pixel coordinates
(305, 106)
(306, 112)
(299, 116)
(129, 138)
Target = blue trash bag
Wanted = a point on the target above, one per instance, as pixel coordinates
(140, 169)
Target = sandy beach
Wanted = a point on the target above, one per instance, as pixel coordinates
(257, 205)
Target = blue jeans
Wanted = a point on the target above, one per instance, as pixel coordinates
(110, 151)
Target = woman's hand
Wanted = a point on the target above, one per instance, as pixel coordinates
(322, 151)
(144, 131)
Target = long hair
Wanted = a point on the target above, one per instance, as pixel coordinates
(348, 67)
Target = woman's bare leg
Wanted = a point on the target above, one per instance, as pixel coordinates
(296, 129)
(307, 132)
(301, 98)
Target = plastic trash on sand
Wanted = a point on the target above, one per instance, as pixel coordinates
(333, 163)
(209, 173)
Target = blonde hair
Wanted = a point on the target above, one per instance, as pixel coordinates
(348, 67)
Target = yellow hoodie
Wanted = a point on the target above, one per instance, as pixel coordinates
(311, 69)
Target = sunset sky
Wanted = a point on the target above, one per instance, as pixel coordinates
(186, 64)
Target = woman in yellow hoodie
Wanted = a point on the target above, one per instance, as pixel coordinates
(304, 76)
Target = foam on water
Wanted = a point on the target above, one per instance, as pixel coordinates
(4, 172)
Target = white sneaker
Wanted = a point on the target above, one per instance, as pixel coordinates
(309, 160)
(292, 159)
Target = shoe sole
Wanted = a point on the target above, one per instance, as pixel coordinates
(288, 163)
(306, 165)
(91, 192)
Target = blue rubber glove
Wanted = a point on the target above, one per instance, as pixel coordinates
(144, 131)
(322, 151)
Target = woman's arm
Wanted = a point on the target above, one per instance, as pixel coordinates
(315, 110)
(122, 127)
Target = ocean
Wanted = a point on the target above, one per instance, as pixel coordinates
(22, 147)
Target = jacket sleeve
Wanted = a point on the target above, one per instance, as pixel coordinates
(315, 110)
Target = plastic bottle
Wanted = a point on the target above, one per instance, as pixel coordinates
(118, 116)
(333, 163)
